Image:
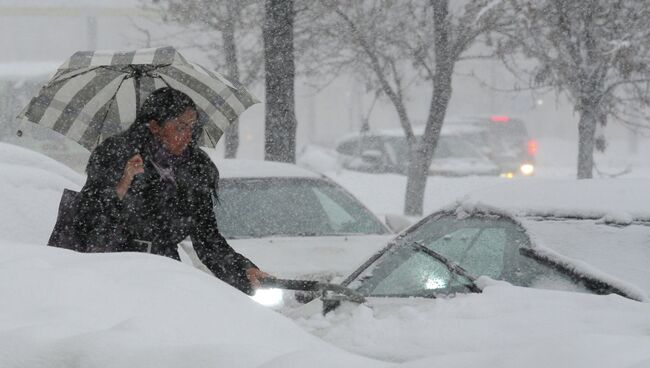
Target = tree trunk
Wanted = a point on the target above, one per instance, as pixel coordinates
(422, 155)
(280, 119)
(230, 50)
(586, 140)
(416, 181)
(425, 147)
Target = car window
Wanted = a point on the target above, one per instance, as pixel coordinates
(399, 147)
(357, 145)
(365, 143)
(454, 147)
(349, 147)
(480, 250)
(508, 138)
(447, 147)
(502, 142)
(488, 245)
(290, 207)
(405, 271)
(337, 215)
(479, 244)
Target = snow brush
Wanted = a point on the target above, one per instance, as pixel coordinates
(333, 291)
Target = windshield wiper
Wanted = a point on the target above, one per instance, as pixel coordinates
(451, 266)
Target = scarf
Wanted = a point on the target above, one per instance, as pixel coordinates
(165, 163)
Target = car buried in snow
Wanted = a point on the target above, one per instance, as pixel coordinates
(580, 236)
(505, 277)
(294, 223)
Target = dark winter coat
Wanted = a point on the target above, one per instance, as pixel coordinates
(156, 213)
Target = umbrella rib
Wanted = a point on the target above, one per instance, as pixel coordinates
(112, 101)
(214, 143)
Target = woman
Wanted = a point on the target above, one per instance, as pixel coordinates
(151, 186)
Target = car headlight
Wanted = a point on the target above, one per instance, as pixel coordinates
(507, 175)
(527, 169)
(268, 297)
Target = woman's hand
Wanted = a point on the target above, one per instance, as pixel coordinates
(255, 275)
(133, 167)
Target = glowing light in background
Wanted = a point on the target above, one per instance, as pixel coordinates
(499, 119)
(531, 147)
(527, 169)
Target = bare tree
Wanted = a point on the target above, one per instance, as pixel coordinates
(594, 51)
(395, 45)
(236, 25)
(280, 120)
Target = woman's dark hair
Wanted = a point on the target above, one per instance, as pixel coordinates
(164, 104)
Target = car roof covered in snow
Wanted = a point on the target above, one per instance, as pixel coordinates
(237, 168)
(612, 200)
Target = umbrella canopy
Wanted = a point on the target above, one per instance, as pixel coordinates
(94, 94)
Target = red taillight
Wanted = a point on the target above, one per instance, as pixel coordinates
(532, 147)
(499, 119)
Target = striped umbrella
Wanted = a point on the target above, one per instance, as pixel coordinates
(94, 94)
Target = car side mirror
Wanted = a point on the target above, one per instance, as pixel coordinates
(397, 223)
(371, 157)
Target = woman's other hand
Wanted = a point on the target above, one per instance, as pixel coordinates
(133, 167)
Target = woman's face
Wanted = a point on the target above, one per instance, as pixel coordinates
(175, 134)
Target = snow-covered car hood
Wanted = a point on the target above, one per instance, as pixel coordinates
(311, 257)
(321, 257)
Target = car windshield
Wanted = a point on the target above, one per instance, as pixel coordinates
(483, 245)
(407, 270)
(454, 147)
(478, 243)
(447, 147)
(251, 208)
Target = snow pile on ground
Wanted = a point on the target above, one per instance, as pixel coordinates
(505, 326)
(65, 309)
(31, 185)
